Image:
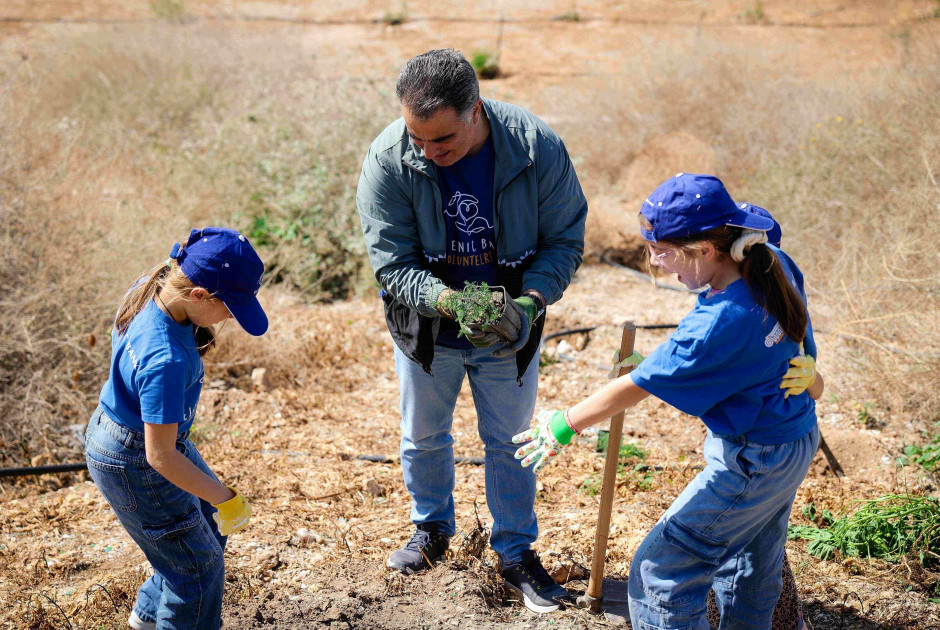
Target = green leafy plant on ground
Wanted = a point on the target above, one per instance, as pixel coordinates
(890, 527)
(629, 466)
(926, 456)
(474, 305)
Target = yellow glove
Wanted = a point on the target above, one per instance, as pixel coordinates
(232, 515)
(800, 376)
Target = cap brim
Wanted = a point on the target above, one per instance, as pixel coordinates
(249, 315)
(745, 219)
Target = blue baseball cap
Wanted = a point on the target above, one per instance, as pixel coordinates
(223, 262)
(774, 234)
(688, 204)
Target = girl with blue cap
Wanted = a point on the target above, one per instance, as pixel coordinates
(730, 362)
(136, 443)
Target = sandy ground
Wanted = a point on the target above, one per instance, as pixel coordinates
(324, 521)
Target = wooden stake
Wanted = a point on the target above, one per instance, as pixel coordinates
(592, 599)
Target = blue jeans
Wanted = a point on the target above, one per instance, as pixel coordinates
(727, 531)
(427, 454)
(174, 528)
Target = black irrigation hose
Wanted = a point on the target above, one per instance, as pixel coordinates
(586, 329)
(388, 459)
(43, 470)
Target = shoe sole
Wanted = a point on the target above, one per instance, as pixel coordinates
(412, 571)
(529, 603)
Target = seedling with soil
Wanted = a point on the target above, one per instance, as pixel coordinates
(477, 305)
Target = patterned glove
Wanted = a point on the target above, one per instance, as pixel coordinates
(634, 359)
(232, 515)
(545, 439)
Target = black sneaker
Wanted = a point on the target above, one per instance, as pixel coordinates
(425, 549)
(529, 580)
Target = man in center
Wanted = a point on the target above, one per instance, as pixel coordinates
(464, 189)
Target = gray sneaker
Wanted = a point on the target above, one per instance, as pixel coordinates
(529, 580)
(425, 549)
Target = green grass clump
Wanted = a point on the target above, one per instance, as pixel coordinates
(890, 527)
(474, 306)
(485, 64)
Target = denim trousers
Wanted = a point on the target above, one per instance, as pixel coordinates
(174, 528)
(727, 531)
(504, 408)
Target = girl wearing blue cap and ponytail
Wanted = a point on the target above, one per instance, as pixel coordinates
(136, 445)
(730, 362)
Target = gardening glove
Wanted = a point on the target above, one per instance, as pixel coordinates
(232, 515)
(480, 338)
(801, 374)
(634, 359)
(545, 439)
(514, 325)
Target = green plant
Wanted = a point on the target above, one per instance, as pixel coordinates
(864, 416)
(889, 527)
(590, 486)
(474, 305)
(926, 456)
(485, 64)
(569, 16)
(754, 14)
(169, 10)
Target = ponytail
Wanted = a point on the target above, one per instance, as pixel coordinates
(147, 287)
(763, 275)
(770, 287)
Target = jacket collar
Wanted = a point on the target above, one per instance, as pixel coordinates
(511, 156)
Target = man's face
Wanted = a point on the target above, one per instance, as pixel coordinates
(444, 137)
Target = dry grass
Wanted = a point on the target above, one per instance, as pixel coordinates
(116, 143)
(114, 146)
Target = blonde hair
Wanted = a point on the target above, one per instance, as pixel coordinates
(169, 276)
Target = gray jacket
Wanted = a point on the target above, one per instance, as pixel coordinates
(539, 215)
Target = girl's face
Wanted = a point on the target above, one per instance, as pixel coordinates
(691, 266)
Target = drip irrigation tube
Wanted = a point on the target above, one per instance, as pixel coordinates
(42, 470)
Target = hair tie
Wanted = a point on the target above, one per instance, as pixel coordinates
(744, 242)
(174, 254)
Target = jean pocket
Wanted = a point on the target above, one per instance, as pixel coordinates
(701, 547)
(111, 480)
(186, 544)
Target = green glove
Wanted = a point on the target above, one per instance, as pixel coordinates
(546, 439)
(232, 515)
(800, 376)
(634, 359)
(528, 305)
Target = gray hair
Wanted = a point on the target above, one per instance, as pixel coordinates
(436, 80)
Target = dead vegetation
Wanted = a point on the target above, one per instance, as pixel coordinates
(117, 140)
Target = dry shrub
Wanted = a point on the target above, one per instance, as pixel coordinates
(306, 344)
(115, 144)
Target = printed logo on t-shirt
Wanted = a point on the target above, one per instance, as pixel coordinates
(466, 209)
(774, 336)
(473, 245)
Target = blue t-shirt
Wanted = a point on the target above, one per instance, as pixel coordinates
(156, 373)
(724, 364)
(467, 190)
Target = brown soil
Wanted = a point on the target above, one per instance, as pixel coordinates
(324, 521)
